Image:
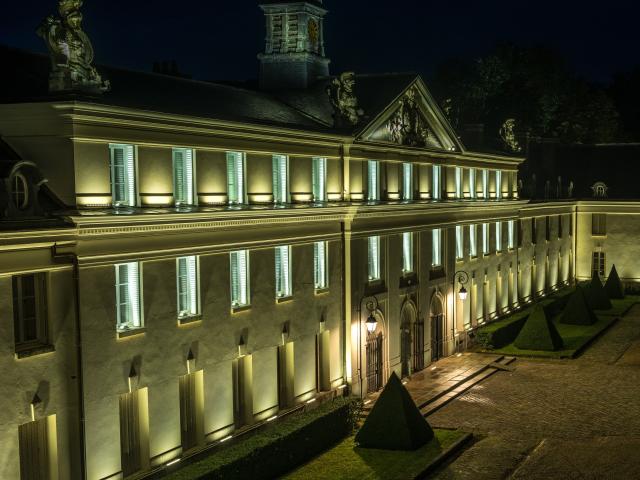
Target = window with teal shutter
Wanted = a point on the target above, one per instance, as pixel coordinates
(236, 178)
(374, 258)
(239, 262)
(473, 241)
(472, 183)
(123, 175)
(183, 176)
(436, 247)
(280, 165)
(436, 193)
(498, 184)
(407, 252)
(407, 181)
(320, 265)
(458, 179)
(319, 179)
(498, 236)
(459, 242)
(485, 238)
(485, 183)
(283, 271)
(373, 181)
(511, 235)
(128, 311)
(187, 286)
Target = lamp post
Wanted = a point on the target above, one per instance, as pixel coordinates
(462, 277)
(371, 324)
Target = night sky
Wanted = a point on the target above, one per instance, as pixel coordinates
(218, 39)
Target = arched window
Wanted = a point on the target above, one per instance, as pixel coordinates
(19, 191)
(599, 190)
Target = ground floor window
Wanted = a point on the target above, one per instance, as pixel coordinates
(598, 263)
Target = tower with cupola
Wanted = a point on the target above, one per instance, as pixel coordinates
(294, 55)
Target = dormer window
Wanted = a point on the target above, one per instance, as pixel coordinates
(19, 191)
(599, 190)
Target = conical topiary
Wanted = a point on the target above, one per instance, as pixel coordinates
(394, 423)
(613, 286)
(577, 310)
(539, 333)
(596, 295)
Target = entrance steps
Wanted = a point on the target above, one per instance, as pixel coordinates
(430, 397)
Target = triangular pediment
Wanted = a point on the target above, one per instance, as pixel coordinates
(413, 119)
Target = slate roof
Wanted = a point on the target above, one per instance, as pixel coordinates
(617, 165)
(27, 81)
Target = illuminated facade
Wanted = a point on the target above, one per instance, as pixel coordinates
(203, 257)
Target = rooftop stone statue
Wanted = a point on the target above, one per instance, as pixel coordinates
(71, 52)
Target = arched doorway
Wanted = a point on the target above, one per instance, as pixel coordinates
(375, 355)
(436, 312)
(411, 339)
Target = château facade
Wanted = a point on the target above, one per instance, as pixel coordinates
(182, 260)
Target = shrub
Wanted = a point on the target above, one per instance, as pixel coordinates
(613, 286)
(539, 333)
(577, 311)
(278, 448)
(596, 294)
(501, 333)
(394, 423)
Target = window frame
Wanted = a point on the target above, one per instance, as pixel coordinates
(598, 263)
(458, 182)
(280, 179)
(407, 182)
(136, 308)
(485, 183)
(459, 242)
(408, 253)
(436, 248)
(283, 280)
(498, 237)
(473, 240)
(130, 175)
(436, 182)
(319, 179)
(234, 257)
(374, 272)
(321, 276)
(499, 184)
(40, 312)
(236, 163)
(598, 224)
(472, 184)
(373, 175)
(511, 241)
(193, 287)
(189, 180)
(486, 233)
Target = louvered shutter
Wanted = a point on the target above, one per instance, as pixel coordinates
(278, 265)
(179, 174)
(183, 288)
(118, 187)
(374, 258)
(130, 178)
(189, 183)
(372, 180)
(472, 182)
(319, 177)
(407, 181)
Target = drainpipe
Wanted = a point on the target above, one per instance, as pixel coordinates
(73, 259)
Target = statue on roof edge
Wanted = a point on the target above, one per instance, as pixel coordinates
(344, 101)
(70, 51)
(508, 136)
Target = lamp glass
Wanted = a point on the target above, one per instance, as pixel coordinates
(462, 293)
(371, 323)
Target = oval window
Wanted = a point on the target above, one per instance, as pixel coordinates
(19, 191)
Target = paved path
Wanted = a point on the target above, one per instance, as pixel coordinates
(555, 419)
(442, 376)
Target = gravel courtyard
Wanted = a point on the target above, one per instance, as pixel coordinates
(555, 419)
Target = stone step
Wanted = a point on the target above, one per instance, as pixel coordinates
(503, 364)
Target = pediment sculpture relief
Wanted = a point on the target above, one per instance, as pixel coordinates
(344, 101)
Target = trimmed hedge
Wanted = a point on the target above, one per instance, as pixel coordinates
(394, 423)
(613, 286)
(502, 332)
(278, 448)
(578, 311)
(539, 333)
(596, 294)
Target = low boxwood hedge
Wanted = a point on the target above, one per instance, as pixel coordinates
(280, 447)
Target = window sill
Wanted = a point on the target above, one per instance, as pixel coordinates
(240, 308)
(322, 291)
(34, 351)
(436, 272)
(286, 299)
(599, 235)
(131, 333)
(189, 320)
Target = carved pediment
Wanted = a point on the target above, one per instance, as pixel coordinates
(414, 120)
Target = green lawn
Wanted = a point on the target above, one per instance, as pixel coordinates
(576, 337)
(345, 461)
